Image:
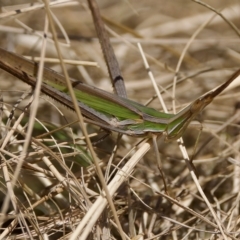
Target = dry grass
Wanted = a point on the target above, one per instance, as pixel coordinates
(54, 196)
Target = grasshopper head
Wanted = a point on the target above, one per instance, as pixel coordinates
(181, 121)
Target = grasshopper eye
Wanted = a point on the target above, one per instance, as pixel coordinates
(196, 105)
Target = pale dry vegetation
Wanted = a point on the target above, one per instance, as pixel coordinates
(50, 188)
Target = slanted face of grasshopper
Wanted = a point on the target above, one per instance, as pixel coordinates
(182, 119)
(108, 110)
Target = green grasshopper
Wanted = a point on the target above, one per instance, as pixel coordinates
(107, 110)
